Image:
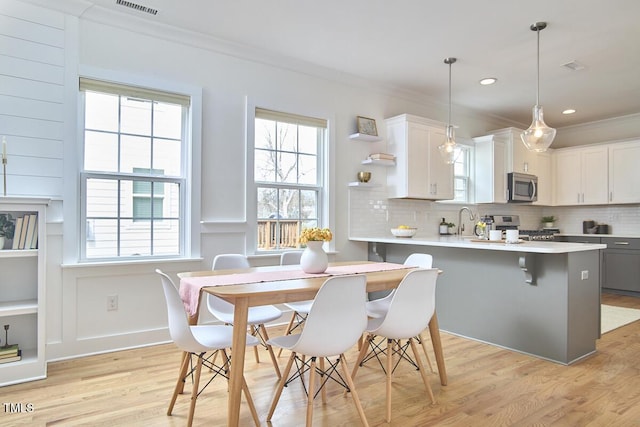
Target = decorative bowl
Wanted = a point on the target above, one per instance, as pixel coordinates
(364, 176)
(404, 232)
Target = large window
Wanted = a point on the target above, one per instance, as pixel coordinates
(461, 173)
(288, 167)
(133, 179)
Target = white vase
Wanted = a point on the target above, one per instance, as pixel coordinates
(314, 259)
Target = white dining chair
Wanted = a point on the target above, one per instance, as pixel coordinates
(196, 341)
(410, 310)
(257, 316)
(299, 309)
(379, 307)
(335, 323)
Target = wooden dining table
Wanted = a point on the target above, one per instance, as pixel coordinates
(278, 291)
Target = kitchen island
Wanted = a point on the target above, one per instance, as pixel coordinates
(540, 298)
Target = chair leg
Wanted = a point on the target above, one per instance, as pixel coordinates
(281, 383)
(354, 393)
(422, 371)
(288, 331)
(363, 352)
(270, 349)
(424, 348)
(312, 384)
(252, 407)
(323, 390)
(194, 391)
(390, 344)
(184, 366)
(254, 331)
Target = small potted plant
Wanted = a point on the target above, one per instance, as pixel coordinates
(547, 221)
(7, 228)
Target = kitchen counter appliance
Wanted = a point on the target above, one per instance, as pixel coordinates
(522, 187)
(512, 222)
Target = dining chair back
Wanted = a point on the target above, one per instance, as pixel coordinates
(196, 341)
(257, 317)
(335, 322)
(411, 308)
(290, 257)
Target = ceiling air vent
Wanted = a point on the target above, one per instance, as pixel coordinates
(138, 7)
(574, 66)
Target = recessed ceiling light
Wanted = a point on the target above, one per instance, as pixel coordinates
(488, 81)
(569, 111)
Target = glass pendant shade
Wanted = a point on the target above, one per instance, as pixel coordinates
(448, 149)
(539, 136)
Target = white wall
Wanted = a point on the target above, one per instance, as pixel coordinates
(78, 322)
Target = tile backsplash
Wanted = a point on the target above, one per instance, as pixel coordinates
(371, 213)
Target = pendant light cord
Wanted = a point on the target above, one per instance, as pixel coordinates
(450, 93)
(538, 82)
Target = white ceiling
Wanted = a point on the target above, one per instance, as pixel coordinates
(401, 44)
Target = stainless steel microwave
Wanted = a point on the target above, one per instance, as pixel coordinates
(522, 187)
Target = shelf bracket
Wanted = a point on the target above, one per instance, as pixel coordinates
(527, 263)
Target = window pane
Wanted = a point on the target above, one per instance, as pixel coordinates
(104, 242)
(308, 139)
(265, 133)
(167, 120)
(267, 203)
(289, 203)
(136, 116)
(102, 198)
(307, 170)
(166, 237)
(287, 170)
(166, 156)
(265, 166)
(309, 204)
(135, 240)
(101, 112)
(136, 153)
(287, 136)
(100, 151)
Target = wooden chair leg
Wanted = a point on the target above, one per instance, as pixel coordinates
(414, 347)
(424, 348)
(354, 393)
(390, 344)
(312, 384)
(270, 349)
(252, 407)
(184, 366)
(323, 390)
(288, 331)
(194, 391)
(361, 355)
(281, 383)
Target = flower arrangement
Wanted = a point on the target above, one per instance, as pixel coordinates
(481, 225)
(315, 233)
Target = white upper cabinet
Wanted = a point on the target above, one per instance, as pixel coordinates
(503, 152)
(624, 172)
(581, 176)
(420, 172)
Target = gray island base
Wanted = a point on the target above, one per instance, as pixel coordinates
(540, 302)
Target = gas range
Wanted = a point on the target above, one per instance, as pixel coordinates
(512, 222)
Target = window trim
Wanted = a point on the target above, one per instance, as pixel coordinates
(192, 165)
(326, 198)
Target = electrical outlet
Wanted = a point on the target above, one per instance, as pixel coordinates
(584, 275)
(112, 302)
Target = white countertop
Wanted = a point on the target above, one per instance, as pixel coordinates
(466, 242)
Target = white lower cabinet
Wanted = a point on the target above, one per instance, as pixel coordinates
(420, 172)
(22, 291)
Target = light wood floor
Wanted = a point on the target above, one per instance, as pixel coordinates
(488, 386)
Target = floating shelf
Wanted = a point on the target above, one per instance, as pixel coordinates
(380, 162)
(15, 308)
(364, 137)
(358, 184)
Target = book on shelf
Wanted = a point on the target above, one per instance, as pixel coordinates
(34, 241)
(17, 233)
(33, 220)
(23, 233)
(10, 350)
(13, 358)
(381, 156)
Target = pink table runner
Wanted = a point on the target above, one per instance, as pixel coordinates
(191, 287)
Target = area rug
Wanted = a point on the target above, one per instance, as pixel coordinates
(613, 317)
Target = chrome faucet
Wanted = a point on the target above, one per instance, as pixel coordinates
(471, 218)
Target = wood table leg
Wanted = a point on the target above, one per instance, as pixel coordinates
(241, 310)
(434, 331)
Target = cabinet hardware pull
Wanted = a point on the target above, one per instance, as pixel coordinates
(620, 243)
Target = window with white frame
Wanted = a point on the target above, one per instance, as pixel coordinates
(461, 173)
(288, 174)
(133, 179)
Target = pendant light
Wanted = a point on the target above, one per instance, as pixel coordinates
(539, 136)
(449, 149)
